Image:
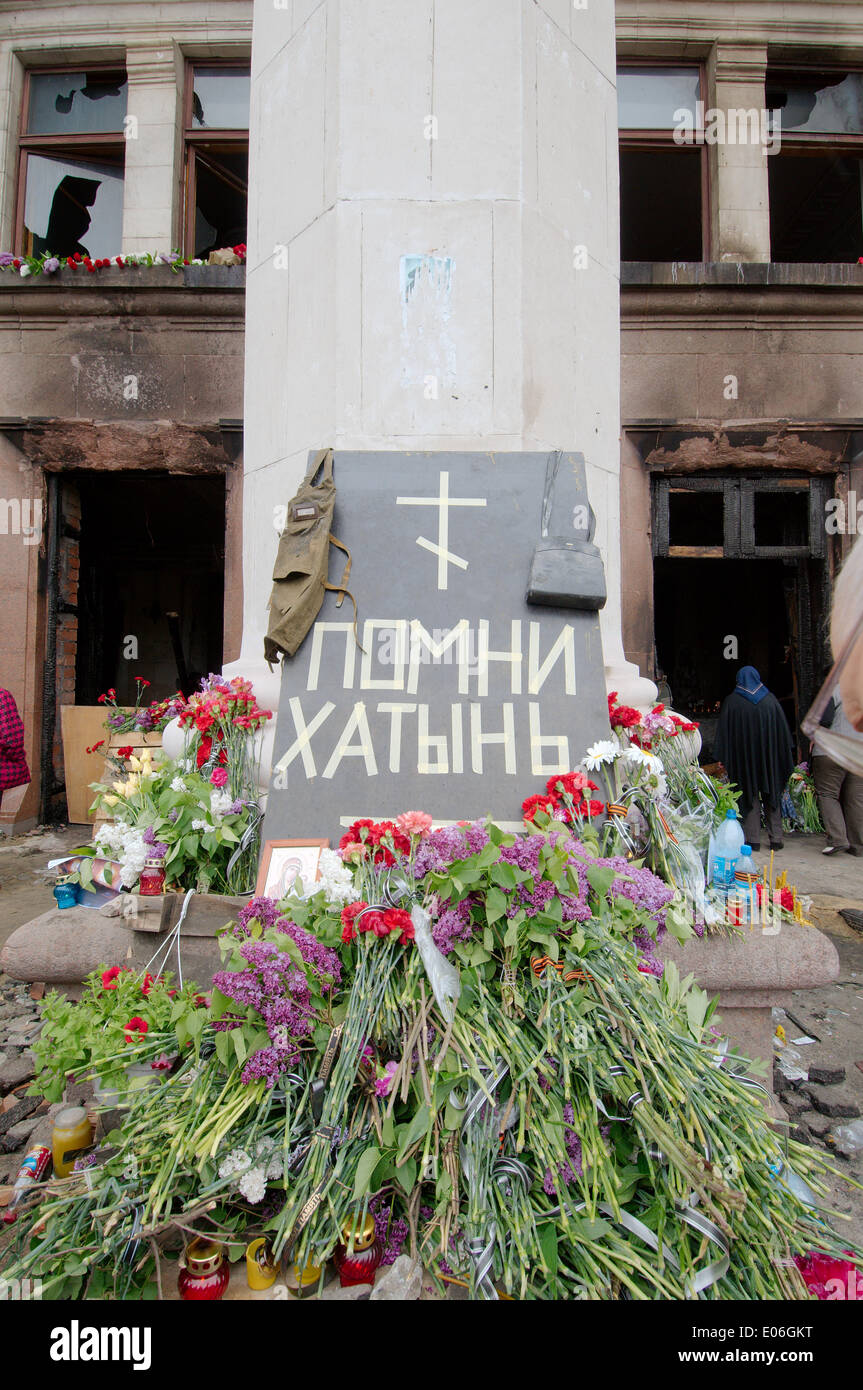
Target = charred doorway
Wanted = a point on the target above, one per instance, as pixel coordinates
(740, 579)
(151, 582)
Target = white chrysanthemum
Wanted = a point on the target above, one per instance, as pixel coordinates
(275, 1167)
(237, 1161)
(336, 879)
(605, 751)
(178, 785)
(253, 1185)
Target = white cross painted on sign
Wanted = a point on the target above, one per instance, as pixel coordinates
(443, 502)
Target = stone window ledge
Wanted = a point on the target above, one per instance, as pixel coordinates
(754, 274)
(115, 277)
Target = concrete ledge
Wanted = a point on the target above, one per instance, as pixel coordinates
(753, 974)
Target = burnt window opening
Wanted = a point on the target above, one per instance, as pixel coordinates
(696, 518)
(781, 519)
(660, 205)
(71, 159)
(217, 157)
(816, 207)
(663, 169)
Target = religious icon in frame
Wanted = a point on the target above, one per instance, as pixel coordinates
(283, 862)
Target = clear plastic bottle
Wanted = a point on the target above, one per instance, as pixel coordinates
(726, 850)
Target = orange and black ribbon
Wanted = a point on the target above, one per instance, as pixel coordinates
(539, 963)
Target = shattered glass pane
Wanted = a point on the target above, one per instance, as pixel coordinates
(76, 103)
(73, 205)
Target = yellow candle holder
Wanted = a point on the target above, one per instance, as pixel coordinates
(261, 1269)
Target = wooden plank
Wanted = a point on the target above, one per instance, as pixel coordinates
(697, 552)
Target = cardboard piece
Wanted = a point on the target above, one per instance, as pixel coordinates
(82, 726)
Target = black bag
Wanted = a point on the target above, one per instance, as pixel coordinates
(567, 569)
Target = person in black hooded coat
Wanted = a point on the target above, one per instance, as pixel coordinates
(753, 742)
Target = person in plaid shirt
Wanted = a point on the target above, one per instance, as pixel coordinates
(14, 771)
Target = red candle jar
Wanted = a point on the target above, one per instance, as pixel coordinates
(204, 1274)
(358, 1266)
(152, 881)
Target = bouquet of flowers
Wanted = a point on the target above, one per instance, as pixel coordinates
(144, 719)
(800, 810)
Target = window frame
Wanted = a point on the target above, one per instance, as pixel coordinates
(739, 494)
(633, 138)
(35, 144)
(238, 139)
(812, 142)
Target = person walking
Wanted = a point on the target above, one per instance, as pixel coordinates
(840, 792)
(753, 742)
(14, 771)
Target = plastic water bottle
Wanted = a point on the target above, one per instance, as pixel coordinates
(744, 866)
(726, 850)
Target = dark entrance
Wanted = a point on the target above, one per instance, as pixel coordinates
(151, 582)
(740, 579)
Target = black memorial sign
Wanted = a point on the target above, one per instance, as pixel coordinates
(465, 697)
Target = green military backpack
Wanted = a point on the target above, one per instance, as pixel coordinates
(302, 563)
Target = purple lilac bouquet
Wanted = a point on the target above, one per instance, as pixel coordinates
(279, 989)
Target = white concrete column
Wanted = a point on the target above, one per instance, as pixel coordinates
(480, 138)
(740, 210)
(152, 198)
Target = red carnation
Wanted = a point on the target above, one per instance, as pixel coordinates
(396, 919)
(529, 808)
(136, 1025)
(570, 783)
(141, 681)
(349, 914)
(594, 808)
(126, 752)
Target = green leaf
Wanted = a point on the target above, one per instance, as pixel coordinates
(489, 854)
(599, 879)
(417, 1128)
(511, 935)
(495, 904)
(388, 1131)
(369, 1160)
(239, 1042)
(406, 1176)
(223, 1047)
(548, 1241)
(504, 876)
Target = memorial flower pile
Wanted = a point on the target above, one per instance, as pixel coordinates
(144, 719)
(48, 264)
(200, 809)
(498, 1068)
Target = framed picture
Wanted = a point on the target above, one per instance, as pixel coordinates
(283, 862)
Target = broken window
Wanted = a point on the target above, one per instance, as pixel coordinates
(71, 163)
(663, 169)
(816, 177)
(217, 157)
